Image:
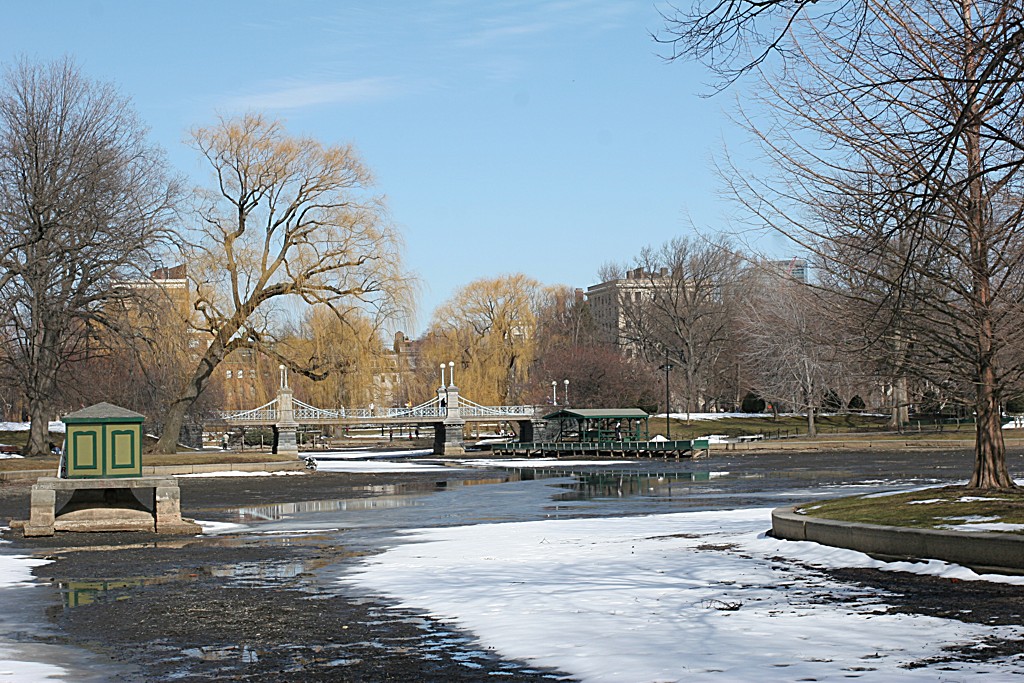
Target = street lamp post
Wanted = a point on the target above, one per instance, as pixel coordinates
(566, 393)
(668, 424)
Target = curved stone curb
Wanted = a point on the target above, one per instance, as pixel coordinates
(984, 552)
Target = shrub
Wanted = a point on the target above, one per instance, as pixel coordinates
(752, 403)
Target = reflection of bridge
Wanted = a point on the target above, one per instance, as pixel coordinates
(447, 413)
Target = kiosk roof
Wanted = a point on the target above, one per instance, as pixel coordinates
(597, 413)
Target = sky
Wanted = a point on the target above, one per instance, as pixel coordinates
(546, 138)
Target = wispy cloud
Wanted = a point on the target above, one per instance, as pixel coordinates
(310, 94)
(524, 20)
(488, 35)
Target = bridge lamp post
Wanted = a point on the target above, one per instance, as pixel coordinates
(566, 393)
(451, 372)
(554, 393)
(442, 375)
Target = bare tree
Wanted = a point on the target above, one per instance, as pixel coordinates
(734, 37)
(599, 377)
(679, 309)
(290, 224)
(788, 346)
(910, 111)
(84, 200)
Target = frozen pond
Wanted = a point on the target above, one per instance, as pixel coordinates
(629, 571)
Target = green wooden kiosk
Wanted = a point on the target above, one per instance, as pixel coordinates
(103, 441)
(619, 432)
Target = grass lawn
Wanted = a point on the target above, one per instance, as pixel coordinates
(784, 425)
(847, 426)
(148, 459)
(935, 508)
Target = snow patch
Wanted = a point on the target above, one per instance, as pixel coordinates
(56, 427)
(671, 597)
(367, 466)
(238, 473)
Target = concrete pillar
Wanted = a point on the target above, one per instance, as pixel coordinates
(448, 437)
(449, 434)
(167, 505)
(454, 408)
(167, 511)
(42, 511)
(535, 429)
(285, 431)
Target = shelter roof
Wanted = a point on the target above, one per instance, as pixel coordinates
(597, 413)
(102, 412)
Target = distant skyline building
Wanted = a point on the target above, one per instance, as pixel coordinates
(615, 304)
(795, 268)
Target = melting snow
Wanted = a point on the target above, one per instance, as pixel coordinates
(686, 596)
(16, 573)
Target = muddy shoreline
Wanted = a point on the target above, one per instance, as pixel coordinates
(246, 607)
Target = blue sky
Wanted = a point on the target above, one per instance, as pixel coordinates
(509, 136)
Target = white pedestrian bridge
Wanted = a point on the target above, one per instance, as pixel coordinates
(431, 411)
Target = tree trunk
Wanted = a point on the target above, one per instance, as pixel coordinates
(175, 418)
(173, 421)
(989, 449)
(39, 428)
(990, 470)
(900, 410)
(812, 429)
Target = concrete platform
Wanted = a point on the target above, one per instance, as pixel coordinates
(107, 505)
(984, 552)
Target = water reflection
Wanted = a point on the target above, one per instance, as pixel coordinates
(263, 513)
(242, 654)
(598, 485)
(255, 574)
(384, 497)
(262, 573)
(79, 593)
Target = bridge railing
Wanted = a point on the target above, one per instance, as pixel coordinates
(304, 411)
(265, 413)
(470, 409)
(496, 411)
(432, 409)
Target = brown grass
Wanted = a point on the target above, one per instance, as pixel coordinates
(943, 507)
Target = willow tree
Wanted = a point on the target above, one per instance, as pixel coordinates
(488, 329)
(290, 223)
(911, 110)
(349, 349)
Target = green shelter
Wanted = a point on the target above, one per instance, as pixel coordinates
(600, 424)
(103, 441)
